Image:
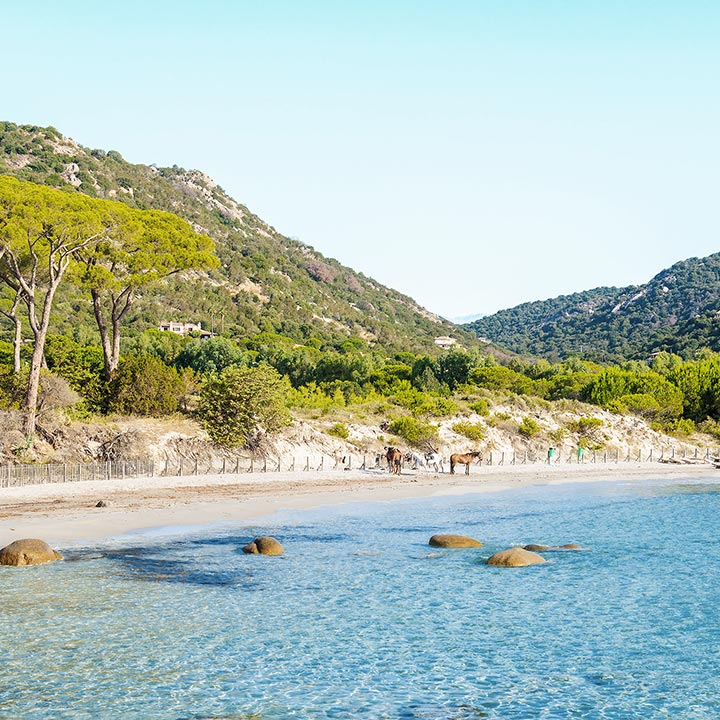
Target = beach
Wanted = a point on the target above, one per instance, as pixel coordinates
(66, 514)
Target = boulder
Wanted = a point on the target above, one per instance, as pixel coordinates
(454, 541)
(515, 557)
(28, 551)
(264, 545)
(553, 548)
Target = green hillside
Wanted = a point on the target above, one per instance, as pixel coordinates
(266, 282)
(677, 311)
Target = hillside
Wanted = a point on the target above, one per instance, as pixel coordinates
(677, 311)
(266, 282)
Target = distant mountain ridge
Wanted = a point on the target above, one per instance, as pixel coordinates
(677, 311)
(266, 283)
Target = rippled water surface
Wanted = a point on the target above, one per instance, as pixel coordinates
(361, 619)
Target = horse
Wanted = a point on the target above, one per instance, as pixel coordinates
(435, 459)
(394, 459)
(416, 458)
(465, 459)
(425, 460)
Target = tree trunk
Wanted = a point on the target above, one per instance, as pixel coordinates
(31, 397)
(110, 336)
(40, 331)
(17, 345)
(108, 368)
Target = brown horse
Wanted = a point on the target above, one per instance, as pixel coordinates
(465, 459)
(394, 459)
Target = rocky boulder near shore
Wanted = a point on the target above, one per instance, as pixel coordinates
(28, 551)
(551, 548)
(264, 545)
(454, 541)
(515, 557)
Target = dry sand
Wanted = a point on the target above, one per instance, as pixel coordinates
(66, 515)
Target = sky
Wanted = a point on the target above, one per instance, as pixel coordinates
(473, 155)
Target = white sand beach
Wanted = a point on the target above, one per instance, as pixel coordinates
(66, 514)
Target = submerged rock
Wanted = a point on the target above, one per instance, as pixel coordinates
(454, 541)
(28, 551)
(515, 557)
(264, 545)
(536, 548)
(552, 548)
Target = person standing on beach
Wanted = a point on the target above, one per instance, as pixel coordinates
(551, 454)
(580, 452)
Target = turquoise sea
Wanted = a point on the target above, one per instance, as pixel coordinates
(362, 619)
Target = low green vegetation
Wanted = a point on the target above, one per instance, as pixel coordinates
(472, 431)
(528, 427)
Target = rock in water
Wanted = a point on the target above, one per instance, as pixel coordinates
(454, 541)
(264, 545)
(515, 557)
(537, 548)
(28, 551)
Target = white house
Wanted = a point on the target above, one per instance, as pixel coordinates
(445, 342)
(179, 328)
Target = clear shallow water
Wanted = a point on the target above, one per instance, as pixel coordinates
(362, 619)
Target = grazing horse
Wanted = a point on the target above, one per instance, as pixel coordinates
(465, 459)
(394, 459)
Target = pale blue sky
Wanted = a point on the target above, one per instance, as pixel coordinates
(473, 155)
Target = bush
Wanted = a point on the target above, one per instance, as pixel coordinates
(585, 425)
(472, 431)
(710, 427)
(413, 430)
(241, 400)
(480, 407)
(681, 427)
(529, 428)
(339, 430)
(144, 385)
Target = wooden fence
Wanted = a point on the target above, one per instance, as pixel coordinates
(37, 474)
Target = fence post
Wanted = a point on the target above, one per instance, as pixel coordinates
(307, 464)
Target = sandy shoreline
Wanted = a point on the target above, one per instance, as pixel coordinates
(65, 514)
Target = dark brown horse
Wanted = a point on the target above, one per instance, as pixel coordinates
(465, 459)
(394, 459)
